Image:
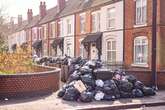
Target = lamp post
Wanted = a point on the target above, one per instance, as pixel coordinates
(154, 41)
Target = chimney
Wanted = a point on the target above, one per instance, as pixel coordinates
(61, 5)
(19, 20)
(42, 9)
(29, 15)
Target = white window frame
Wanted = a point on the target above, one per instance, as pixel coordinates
(61, 28)
(53, 32)
(111, 49)
(96, 21)
(82, 22)
(69, 26)
(138, 41)
(142, 11)
(111, 18)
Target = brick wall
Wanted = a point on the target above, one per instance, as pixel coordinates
(87, 30)
(131, 31)
(13, 86)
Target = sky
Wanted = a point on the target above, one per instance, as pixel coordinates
(15, 7)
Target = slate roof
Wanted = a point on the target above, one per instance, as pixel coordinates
(50, 15)
(71, 7)
(34, 22)
(21, 27)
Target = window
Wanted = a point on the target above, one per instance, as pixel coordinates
(52, 29)
(34, 33)
(60, 28)
(111, 18)
(68, 26)
(141, 12)
(45, 31)
(95, 21)
(111, 50)
(140, 50)
(68, 49)
(82, 23)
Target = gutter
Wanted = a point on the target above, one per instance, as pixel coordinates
(154, 42)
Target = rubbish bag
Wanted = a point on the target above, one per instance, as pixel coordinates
(71, 94)
(85, 70)
(99, 96)
(131, 79)
(74, 76)
(109, 97)
(125, 94)
(110, 88)
(88, 80)
(91, 64)
(99, 83)
(147, 91)
(125, 86)
(139, 85)
(86, 97)
(61, 93)
(137, 93)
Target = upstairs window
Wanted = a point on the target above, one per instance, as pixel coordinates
(95, 21)
(141, 12)
(69, 26)
(52, 29)
(82, 23)
(110, 18)
(140, 50)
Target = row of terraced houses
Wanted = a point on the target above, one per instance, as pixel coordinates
(110, 30)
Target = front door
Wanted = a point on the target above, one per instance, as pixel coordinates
(93, 51)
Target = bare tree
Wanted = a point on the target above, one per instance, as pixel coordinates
(4, 31)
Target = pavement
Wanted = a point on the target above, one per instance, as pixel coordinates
(51, 102)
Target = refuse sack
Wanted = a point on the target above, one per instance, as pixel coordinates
(139, 85)
(85, 70)
(99, 96)
(147, 91)
(86, 97)
(71, 94)
(88, 80)
(109, 98)
(131, 79)
(125, 94)
(91, 64)
(74, 77)
(137, 93)
(125, 86)
(61, 93)
(99, 83)
(110, 88)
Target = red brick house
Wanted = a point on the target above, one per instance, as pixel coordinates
(138, 39)
(138, 33)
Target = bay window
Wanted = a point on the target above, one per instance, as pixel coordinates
(111, 50)
(140, 50)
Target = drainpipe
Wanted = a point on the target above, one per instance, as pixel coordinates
(154, 35)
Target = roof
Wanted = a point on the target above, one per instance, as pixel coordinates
(71, 7)
(51, 14)
(34, 22)
(92, 37)
(21, 27)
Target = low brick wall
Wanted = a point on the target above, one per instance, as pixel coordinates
(27, 85)
(146, 77)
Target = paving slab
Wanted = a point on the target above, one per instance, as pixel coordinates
(51, 102)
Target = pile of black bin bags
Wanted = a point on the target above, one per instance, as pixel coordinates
(120, 86)
(52, 60)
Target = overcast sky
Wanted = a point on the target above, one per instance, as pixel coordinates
(15, 7)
